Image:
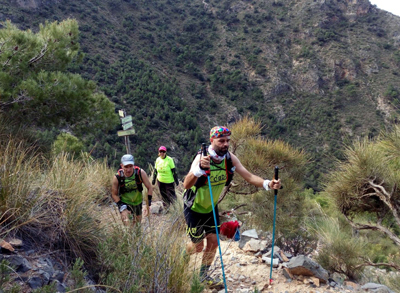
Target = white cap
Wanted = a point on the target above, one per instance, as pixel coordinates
(127, 160)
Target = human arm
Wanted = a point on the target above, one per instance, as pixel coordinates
(146, 183)
(252, 178)
(195, 170)
(121, 206)
(154, 176)
(175, 176)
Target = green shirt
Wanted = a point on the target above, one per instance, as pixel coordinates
(202, 202)
(164, 167)
(131, 193)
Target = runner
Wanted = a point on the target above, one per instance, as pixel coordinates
(165, 173)
(127, 191)
(197, 203)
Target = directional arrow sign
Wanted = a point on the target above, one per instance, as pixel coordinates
(127, 125)
(126, 132)
(126, 119)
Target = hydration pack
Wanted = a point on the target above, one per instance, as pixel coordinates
(121, 179)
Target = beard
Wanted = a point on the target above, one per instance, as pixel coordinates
(221, 151)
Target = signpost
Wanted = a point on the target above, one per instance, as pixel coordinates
(127, 126)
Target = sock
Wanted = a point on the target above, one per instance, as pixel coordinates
(203, 271)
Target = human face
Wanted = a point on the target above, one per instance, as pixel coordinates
(128, 170)
(162, 154)
(221, 145)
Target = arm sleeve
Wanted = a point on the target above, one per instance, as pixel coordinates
(175, 176)
(154, 177)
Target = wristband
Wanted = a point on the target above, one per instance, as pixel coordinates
(198, 172)
(266, 184)
(149, 197)
(121, 206)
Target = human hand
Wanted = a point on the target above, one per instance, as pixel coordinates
(275, 184)
(146, 211)
(205, 162)
(125, 216)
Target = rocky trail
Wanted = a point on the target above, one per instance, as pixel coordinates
(246, 263)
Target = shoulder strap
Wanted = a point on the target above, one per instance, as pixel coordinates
(121, 177)
(121, 180)
(229, 168)
(138, 178)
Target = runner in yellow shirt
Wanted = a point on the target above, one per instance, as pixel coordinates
(165, 173)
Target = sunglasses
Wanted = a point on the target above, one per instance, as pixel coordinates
(161, 151)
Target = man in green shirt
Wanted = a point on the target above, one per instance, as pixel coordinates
(127, 190)
(165, 173)
(199, 216)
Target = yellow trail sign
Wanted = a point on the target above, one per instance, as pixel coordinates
(126, 132)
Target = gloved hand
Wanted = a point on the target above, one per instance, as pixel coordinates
(176, 182)
(154, 181)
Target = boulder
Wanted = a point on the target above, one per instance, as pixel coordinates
(302, 265)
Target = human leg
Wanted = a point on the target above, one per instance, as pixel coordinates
(170, 190)
(136, 212)
(163, 191)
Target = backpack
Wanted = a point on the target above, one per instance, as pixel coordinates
(121, 180)
(189, 195)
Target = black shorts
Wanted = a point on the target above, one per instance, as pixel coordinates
(135, 210)
(199, 225)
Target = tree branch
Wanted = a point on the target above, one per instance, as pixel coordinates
(376, 227)
(40, 56)
(386, 198)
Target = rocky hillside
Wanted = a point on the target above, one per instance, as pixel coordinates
(317, 73)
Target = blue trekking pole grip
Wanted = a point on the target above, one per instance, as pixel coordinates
(273, 229)
(204, 150)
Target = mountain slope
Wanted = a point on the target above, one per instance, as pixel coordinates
(316, 73)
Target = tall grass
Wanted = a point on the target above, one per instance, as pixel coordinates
(150, 258)
(54, 203)
(50, 202)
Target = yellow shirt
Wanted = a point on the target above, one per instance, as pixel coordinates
(164, 167)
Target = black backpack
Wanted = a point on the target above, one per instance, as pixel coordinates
(121, 180)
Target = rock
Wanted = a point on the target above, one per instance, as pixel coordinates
(19, 263)
(16, 242)
(254, 245)
(302, 265)
(378, 288)
(5, 245)
(351, 285)
(275, 261)
(60, 287)
(315, 281)
(276, 250)
(250, 233)
(283, 256)
(156, 207)
(35, 282)
(287, 274)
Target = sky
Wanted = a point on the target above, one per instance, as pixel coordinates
(392, 6)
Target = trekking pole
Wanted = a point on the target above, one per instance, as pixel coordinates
(203, 146)
(273, 228)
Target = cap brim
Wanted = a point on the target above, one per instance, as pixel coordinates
(128, 163)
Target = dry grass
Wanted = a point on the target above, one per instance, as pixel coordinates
(55, 204)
